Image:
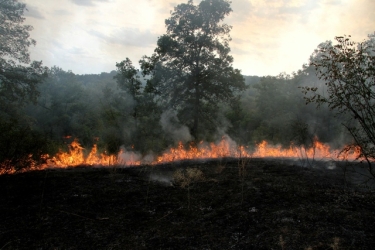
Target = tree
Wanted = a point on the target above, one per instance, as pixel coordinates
(62, 106)
(145, 111)
(348, 70)
(128, 79)
(18, 82)
(191, 66)
(18, 86)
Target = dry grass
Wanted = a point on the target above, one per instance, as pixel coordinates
(186, 177)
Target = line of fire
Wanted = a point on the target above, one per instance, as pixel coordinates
(76, 155)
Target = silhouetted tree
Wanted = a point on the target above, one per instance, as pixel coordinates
(348, 70)
(192, 67)
(128, 79)
(18, 86)
(145, 129)
(18, 83)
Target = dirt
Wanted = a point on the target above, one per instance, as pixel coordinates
(252, 204)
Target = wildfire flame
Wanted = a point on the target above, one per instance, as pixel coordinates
(75, 156)
(225, 148)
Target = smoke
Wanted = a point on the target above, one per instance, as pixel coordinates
(128, 158)
(164, 179)
(171, 125)
(223, 124)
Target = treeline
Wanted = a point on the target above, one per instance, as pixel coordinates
(187, 90)
(96, 109)
(274, 109)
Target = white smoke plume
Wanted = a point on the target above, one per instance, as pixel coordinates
(171, 125)
(128, 157)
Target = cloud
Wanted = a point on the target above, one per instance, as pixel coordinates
(128, 37)
(62, 12)
(302, 12)
(33, 12)
(76, 51)
(87, 2)
(241, 10)
(269, 36)
(333, 2)
(237, 51)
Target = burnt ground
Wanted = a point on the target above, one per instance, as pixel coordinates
(276, 205)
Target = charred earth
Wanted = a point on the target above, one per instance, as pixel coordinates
(234, 204)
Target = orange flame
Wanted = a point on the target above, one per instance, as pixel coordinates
(75, 157)
(225, 148)
(318, 151)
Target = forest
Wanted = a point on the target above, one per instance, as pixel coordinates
(186, 99)
(186, 92)
(95, 109)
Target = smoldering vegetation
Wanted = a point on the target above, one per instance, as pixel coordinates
(95, 110)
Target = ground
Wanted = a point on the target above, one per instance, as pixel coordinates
(247, 204)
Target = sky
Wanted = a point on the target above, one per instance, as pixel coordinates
(269, 37)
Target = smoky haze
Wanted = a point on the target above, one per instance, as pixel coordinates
(93, 106)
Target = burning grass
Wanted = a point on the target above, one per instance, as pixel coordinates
(75, 155)
(273, 206)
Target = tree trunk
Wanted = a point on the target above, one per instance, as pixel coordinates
(196, 72)
(195, 129)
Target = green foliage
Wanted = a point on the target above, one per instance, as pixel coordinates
(95, 109)
(149, 135)
(115, 112)
(60, 100)
(20, 146)
(127, 78)
(18, 86)
(348, 70)
(191, 67)
(273, 109)
(242, 119)
(191, 75)
(145, 114)
(276, 101)
(18, 83)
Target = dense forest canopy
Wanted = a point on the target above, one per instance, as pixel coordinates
(186, 91)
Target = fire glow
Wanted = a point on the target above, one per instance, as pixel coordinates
(226, 148)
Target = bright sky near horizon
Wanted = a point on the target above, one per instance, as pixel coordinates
(268, 36)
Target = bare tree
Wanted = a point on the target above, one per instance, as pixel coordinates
(348, 71)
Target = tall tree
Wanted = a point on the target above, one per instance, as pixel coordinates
(18, 86)
(192, 65)
(18, 82)
(146, 134)
(127, 78)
